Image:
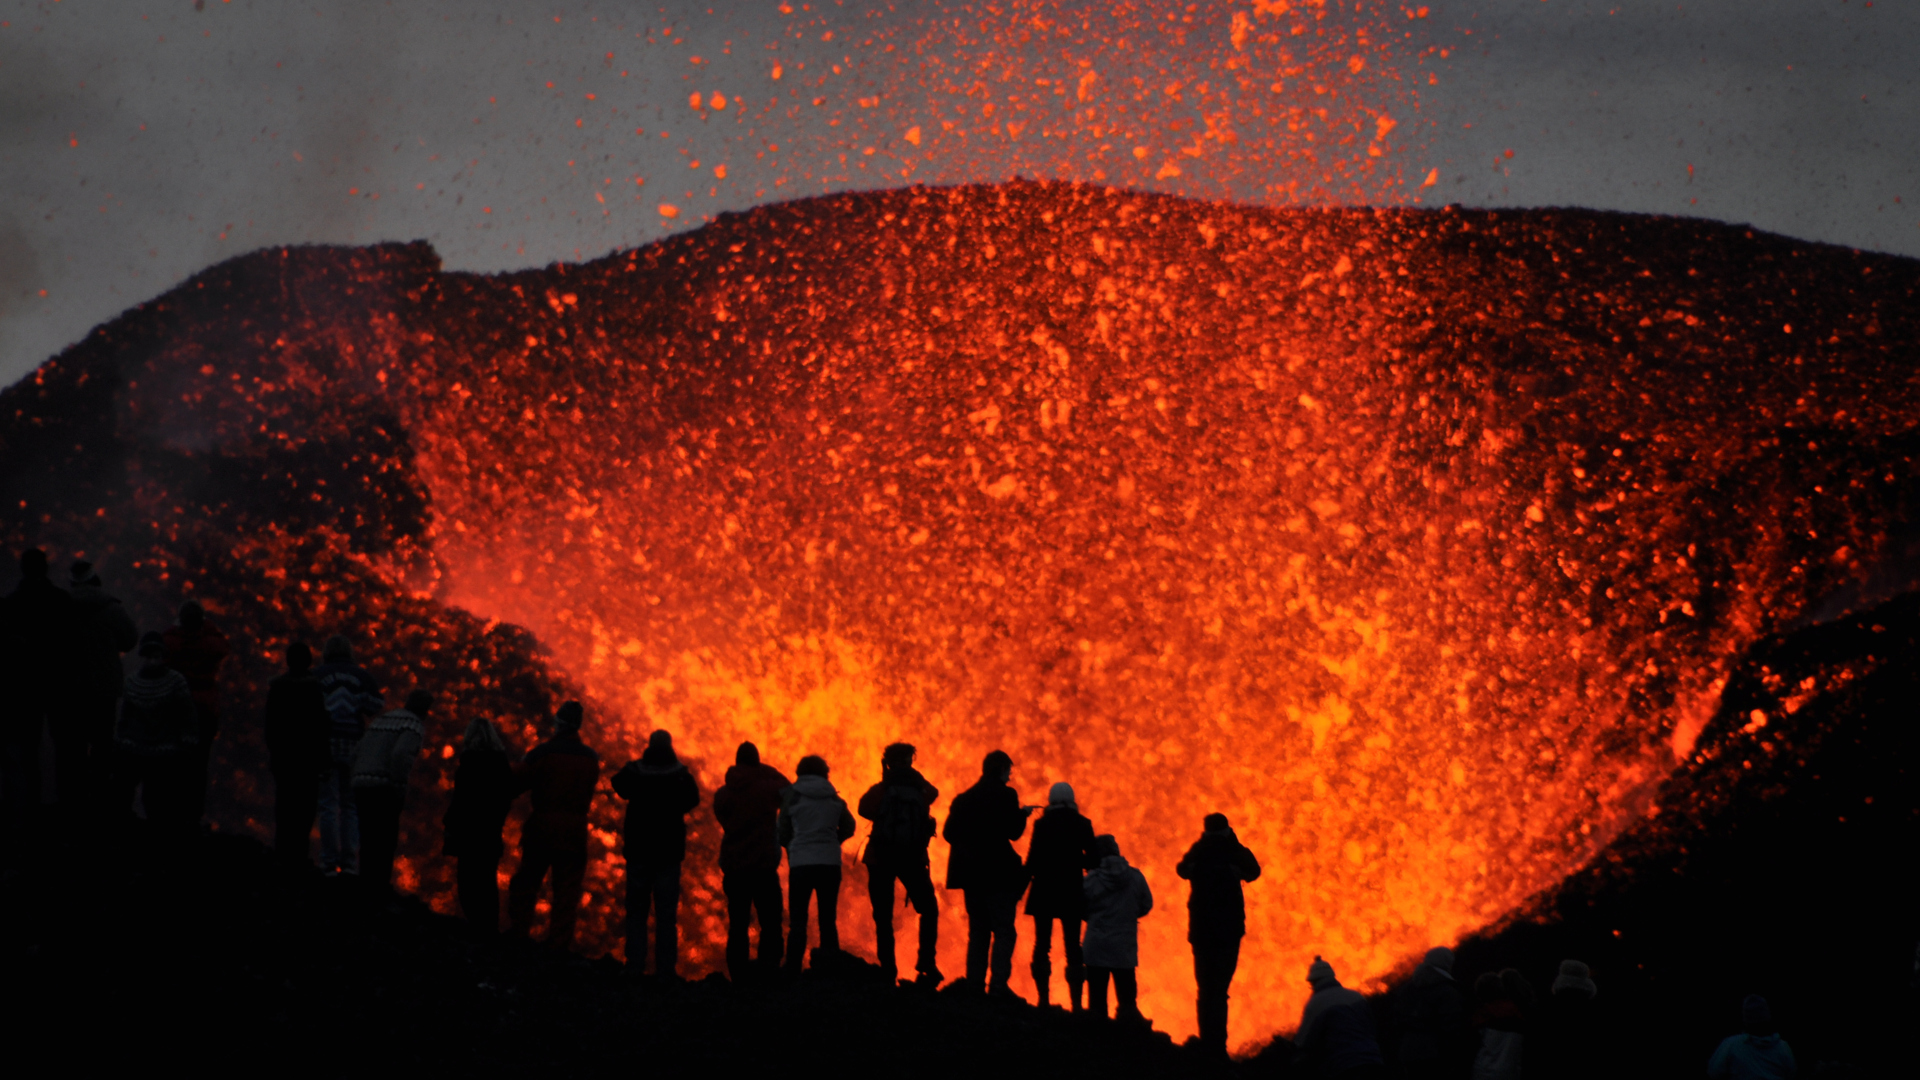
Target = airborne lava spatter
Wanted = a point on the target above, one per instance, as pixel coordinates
(1418, 543)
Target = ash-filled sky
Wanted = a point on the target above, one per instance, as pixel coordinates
(144, 140)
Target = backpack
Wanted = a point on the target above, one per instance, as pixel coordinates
(903, 823)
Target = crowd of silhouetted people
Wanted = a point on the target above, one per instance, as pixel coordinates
(135, 747)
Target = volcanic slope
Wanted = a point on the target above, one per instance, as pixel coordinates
(1420, 543)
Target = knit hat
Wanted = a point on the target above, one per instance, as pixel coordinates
(569, 717)
(81, 573)
(1321, 975)
(153, 644)
(1441, 957)
(1754, 1010)
(1574, 976)
(1060, 794)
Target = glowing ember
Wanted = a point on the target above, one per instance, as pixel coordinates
(1418, 543)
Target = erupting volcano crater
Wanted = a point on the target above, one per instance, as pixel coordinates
(1421, 543)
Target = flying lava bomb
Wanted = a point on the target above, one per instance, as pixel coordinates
(1420, 543)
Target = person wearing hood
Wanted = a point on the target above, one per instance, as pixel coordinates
(660, 793)
(382, 766)
(83, 733)
(153, 736)
(1058, 859)
(483, 791)
(982, 825)
(195, 648)
(1431, 1011)
(1117, 899)
(1215, 867)
(560, 777)
(296, 726)
(814, 821)
(37, 634)
(901, 809)
(748, 808)
(1336, 1036)
(1569, 1043)
(353, 697)
(1757, 1053)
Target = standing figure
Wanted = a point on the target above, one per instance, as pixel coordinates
(154, 738)
(1757, 1053)
(1504, 1018)
(1435, 1042)
(352, 698)
(297, 727)
(483, 791)
(381, 768)
(36, 634)
(1117, 899)
(901, 809)
(814, 821)
(981, 827)
(1336, 1036)
(660, 793)
(195, 648)
(1062, 852)
(561, 774)
(1215, 866)
(83, 734)
(748, 807)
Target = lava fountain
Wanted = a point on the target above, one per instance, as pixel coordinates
(1419, 543)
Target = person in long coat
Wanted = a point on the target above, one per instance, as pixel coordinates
(1058, 859)
(1117, 899)
(981, 826)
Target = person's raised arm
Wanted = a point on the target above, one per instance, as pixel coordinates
(1246, 864)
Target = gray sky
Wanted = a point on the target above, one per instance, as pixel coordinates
(143, 140)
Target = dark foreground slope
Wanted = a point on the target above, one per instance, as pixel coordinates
(1796, 883)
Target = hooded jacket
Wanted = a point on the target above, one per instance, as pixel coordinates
(156, 714)
(1336, 1029)
(747, 808)
(1216, 864)
(904, 790)
(814, 822)
(659, 793)
(103, 631)
(1432, 1015)
(1061, 853)
(386, 754)
(981, 827)
(1117, 899)
(560, 775)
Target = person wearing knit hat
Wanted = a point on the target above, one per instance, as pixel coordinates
(560, 776)
(1336, 1036)
(1431, 1012)
(660, 792)
(1216, 866)
(1568, 1041)
(1061, 853)
(1757, 1053)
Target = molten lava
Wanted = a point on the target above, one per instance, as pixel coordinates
(1418, 543)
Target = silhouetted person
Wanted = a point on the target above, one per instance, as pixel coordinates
(195, 648)
(748, 808)
(1336, 1036)
(154, 738)
(1058, 859)
(561, 775)
(1215, 866)
(1117, 899)
(1503, 1006)
(483, 792)
(353, 697)
(901, 809)
(660, 793)
(296, 729)
(1757, 1053)
(83, 734)
(381, 768)
(1567, 1043)
(814, 821)
(36, 649)
(1435, 1042)
(982, 825)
